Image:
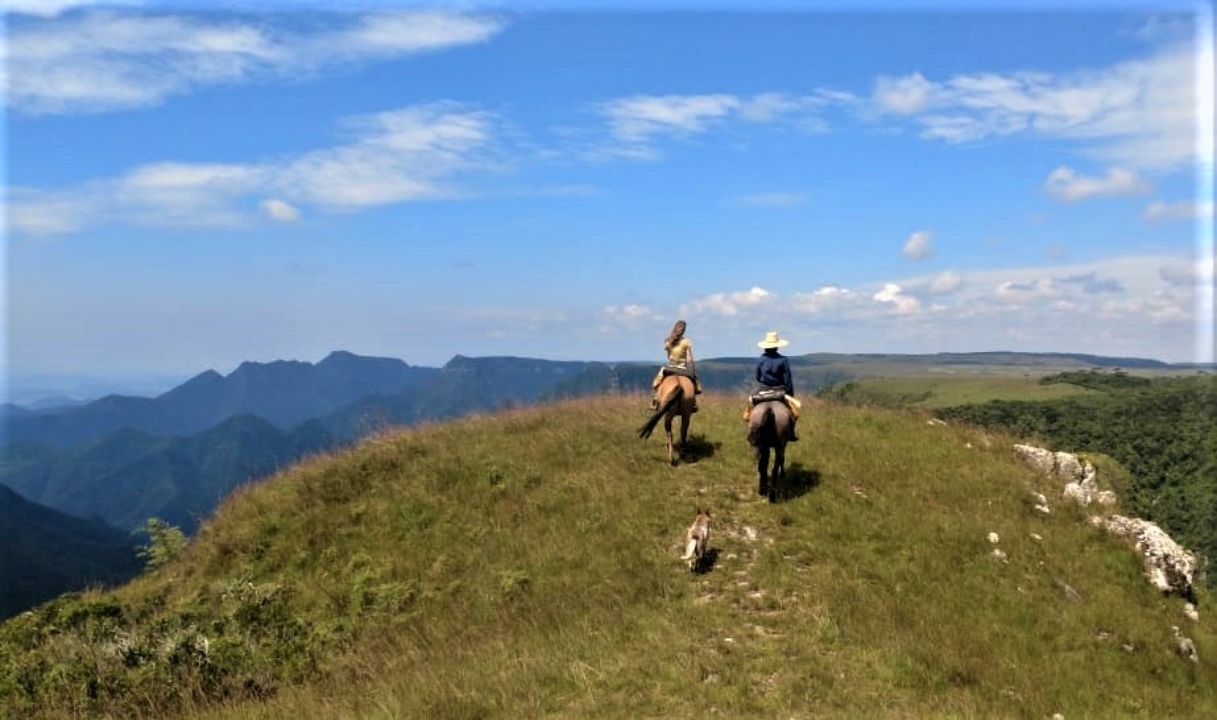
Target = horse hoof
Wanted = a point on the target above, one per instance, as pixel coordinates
(762, 490)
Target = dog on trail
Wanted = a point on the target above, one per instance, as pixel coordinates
(696, 539)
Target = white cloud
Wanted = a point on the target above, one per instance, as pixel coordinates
(945, 283)
(904, 95)
(40, 213)
(802, 111)
(632, 316)
(279, 210)
(726, 304)
(1160, 210)
(396, 156)
(1141, 113)
(1065, 184)
(52, 8)
(638, 121)
(110, 60)
(1187, 274)
(902, 303)
(401, 155)
(1022, 293)
(638, 118)
(917, 247)
(828, 300)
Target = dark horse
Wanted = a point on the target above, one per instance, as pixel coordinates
(675, 397)
(770, 428)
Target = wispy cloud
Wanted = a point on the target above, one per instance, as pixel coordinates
(109, 60)
(638, 121)
(279, 210)
(1160, 210)
(917, 247)
(1065, 184)
(402, 155)
(1141, 113)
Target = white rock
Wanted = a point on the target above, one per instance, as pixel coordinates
(1169, 567)
(993, 538)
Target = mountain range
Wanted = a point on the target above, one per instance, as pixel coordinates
(120, 460)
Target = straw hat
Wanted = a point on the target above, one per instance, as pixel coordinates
(772, 341)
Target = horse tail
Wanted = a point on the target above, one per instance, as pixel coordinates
(762, 427)
(644, 432)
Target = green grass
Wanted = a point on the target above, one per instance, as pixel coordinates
(526, 565)
(932, 392)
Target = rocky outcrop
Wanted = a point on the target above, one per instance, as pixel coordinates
(1168, 566)
(1080, 476)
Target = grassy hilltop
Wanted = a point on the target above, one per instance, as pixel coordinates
(525, 564)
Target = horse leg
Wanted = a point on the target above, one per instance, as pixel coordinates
(667, 427)
(762, 470)
(779, 470)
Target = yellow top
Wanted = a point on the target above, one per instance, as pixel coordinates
(678, 354)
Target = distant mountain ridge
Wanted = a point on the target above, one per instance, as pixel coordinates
(44, 553)
(283, 393)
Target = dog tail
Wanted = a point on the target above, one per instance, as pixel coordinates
(690, 550)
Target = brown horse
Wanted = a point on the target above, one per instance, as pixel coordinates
(770, 427)
(675, 395)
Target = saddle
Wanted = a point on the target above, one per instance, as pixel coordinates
(677, 370)
(762, 396)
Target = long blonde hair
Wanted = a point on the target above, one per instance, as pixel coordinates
(678, 332)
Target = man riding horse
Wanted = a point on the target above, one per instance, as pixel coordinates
(771, 415)
(774, 380)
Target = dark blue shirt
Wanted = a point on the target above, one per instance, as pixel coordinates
(773, 370)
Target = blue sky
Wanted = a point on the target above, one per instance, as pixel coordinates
(189, 186)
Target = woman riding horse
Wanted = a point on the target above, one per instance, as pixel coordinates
(679, 350)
